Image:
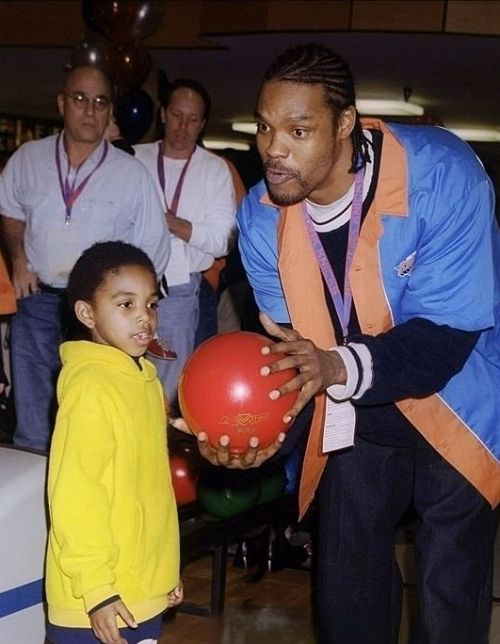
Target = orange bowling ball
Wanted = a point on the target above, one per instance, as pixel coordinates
(221, 391)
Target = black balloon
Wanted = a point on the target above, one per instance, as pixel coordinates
(126, 64)
(124, 20)
(92, 50)
(129, 68)
(88, 16)
(134, 115)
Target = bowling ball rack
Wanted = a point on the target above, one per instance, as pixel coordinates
(201, 532)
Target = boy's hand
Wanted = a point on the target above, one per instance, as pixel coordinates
(103, 622)
(220, 454)
(253, 456)
(176, 595)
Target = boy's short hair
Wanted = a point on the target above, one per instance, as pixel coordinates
(96, 262)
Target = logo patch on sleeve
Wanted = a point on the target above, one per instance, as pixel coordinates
(405, 267)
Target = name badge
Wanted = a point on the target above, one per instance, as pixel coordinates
(340, 421)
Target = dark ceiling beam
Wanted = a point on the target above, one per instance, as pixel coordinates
(56, 23)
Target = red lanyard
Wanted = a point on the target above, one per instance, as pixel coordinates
(172, 209)
(70, 193)
(342, 304)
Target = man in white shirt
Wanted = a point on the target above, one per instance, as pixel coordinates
(197, 193)
(58, 196)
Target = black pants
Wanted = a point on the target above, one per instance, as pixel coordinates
(363, 495)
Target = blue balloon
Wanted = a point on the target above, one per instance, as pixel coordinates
(134, 115)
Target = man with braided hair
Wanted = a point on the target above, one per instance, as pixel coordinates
(374, 255)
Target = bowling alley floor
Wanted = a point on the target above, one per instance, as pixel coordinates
(276, 609)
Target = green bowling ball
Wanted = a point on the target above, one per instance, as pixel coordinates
(272, 486)
(224, 493)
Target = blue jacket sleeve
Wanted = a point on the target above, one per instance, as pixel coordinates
(414, 359)
(257, 225)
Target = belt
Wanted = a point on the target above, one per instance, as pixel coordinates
(53, 290)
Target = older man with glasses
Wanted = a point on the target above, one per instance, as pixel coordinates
(58, 196)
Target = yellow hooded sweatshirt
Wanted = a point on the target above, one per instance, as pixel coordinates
(114, 528)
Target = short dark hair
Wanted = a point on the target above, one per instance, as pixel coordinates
(317, 65)
(96, 262)
(195, 86)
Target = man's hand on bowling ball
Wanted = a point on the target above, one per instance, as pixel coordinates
(221, 453)
(317, 369)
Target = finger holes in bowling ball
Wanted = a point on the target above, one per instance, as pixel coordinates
(221, 391)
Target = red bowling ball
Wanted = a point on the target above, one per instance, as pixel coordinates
(184, 479)
(221, 391)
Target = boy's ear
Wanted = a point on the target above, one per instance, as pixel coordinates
(84, 313)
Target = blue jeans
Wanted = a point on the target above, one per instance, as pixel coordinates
(364, 493)
(177, 321)
(146, 631)
(36, 333)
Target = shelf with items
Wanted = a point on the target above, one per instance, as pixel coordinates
(16, 130)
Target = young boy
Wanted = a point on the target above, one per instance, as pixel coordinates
(113, 549)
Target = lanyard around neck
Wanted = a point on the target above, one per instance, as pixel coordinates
(343, 304)
(70, 193)
(172, 209)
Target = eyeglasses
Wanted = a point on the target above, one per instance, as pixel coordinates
(81, 101)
